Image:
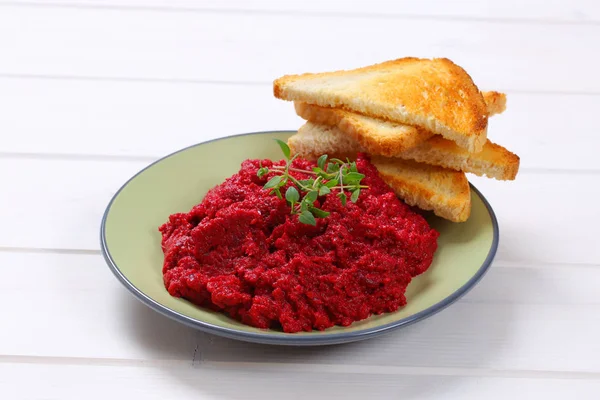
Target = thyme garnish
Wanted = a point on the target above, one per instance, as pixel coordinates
(327, 177)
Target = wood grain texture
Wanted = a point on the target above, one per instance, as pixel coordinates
(133, 118)
(75, 194)
(477, 336)
(80, 310)
(150, 44)
(92, 91)
(144, 119)
(532, 11)
(65, 382)
(64, 200)
(502, 324)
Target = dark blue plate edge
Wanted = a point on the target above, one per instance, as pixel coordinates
(291, 340)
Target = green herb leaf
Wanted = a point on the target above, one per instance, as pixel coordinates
(327, 177)
(273, 182)
(311, 196)
(262, 172)
(321, 161)
(352, 178)
(324, 190)
(284, 148)
(321, 173)
(331, 183)
(292, 195)
(306, 183)
(332, 168)
(317, 212)
(306, 217)
(303, 205)
(355, 195)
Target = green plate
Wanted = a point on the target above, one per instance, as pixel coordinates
(131, 244)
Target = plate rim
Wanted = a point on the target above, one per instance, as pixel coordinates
(291, 340)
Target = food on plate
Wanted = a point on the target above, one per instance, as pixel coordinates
(428, 187)
(332, 234)
(495, 102)
(435, 94)
(298, 245)
(374, 135)
(493, 161)
(379, 136)
(446, 192)
(428, 111)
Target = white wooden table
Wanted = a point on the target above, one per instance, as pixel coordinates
(92, 91)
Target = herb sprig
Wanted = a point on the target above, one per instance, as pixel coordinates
(328, 176)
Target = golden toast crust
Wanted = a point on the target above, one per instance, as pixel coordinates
(435, 94)
(378, 136)
(366, 130)
(450, 198)
(446, 192)
(495, 102)
(493, 161)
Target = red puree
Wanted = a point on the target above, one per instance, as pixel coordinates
(241, 252)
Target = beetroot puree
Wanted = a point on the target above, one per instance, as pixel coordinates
(241, 252)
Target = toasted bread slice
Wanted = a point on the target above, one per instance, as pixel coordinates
(493, 161)
(445, 192)
(378, 136)
(314, 140)
(434, 94)
(495, 102)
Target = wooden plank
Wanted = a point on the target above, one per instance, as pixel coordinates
(55, 203)
(553, 11)
(72, 306)
(513, 321)
(538, 284)
(539, 220)
(150, 44)
(70, 196)
(66, 382)
(133, 118)
(477, 336)
(154, 119)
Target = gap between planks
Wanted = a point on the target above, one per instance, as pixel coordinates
(97, 252)
(179, 81)
(304, 368)
(151, 159)
(300, 13)
(35, 250)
